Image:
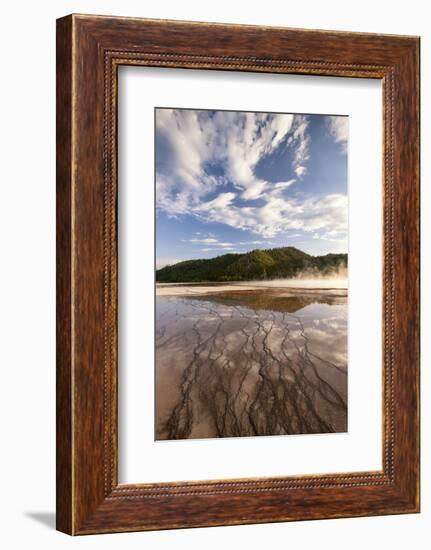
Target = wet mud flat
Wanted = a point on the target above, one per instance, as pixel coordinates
(241, 362)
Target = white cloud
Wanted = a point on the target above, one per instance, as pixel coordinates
(223, 250)
(338, 127)
(246, 243)
(300, 170)
(208, 241)
(281, 185)
(202, 241)
(221, 201)
(303, 141)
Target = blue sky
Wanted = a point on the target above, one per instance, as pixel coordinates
(230, 181)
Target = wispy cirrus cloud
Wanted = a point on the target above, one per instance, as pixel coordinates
(213, 243)
(224, 250)
(338, 127)
(202, 241)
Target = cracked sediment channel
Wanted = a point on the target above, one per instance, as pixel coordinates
(244, 361)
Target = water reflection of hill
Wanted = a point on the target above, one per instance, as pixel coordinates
(241, 363)
(271, 300)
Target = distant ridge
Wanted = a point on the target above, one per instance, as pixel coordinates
(275, 263)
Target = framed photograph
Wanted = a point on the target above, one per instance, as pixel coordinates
(237, 274)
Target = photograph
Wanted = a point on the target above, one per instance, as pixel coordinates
(251, 280)
(213, 317)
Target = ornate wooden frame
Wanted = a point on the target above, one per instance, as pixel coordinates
(89, 51)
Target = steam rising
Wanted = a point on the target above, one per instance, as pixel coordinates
(336, 278)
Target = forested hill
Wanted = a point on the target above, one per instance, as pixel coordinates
(276, 263)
